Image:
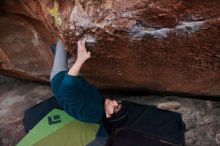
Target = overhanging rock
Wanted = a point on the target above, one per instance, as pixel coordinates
(166, 45)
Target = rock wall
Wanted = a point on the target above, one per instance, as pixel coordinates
(165, 45)
(24, 52)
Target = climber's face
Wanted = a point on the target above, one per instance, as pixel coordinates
(111, 107)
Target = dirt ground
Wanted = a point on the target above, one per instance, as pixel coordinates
(202, 117)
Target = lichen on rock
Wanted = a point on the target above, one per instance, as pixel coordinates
(54, 12)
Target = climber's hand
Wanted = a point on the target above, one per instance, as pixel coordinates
(82, 53)
(82, 56)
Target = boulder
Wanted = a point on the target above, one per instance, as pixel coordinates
(24, 53)
(164, 45)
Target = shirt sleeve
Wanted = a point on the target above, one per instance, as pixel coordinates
(75, 83)
(70, 88)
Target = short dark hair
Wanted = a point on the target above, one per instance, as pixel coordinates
(117, 119)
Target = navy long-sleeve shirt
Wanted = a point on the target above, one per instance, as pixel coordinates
(78, 98)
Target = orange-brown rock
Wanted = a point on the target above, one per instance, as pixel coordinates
(166, 45)
(24, 52)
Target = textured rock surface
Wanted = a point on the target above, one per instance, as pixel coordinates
(168, 45)
(202, 118)
(24, 52)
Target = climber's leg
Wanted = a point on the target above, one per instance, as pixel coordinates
(60, 60)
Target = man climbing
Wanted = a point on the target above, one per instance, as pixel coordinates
(79, 98)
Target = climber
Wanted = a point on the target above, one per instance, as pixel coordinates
(79, 98)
